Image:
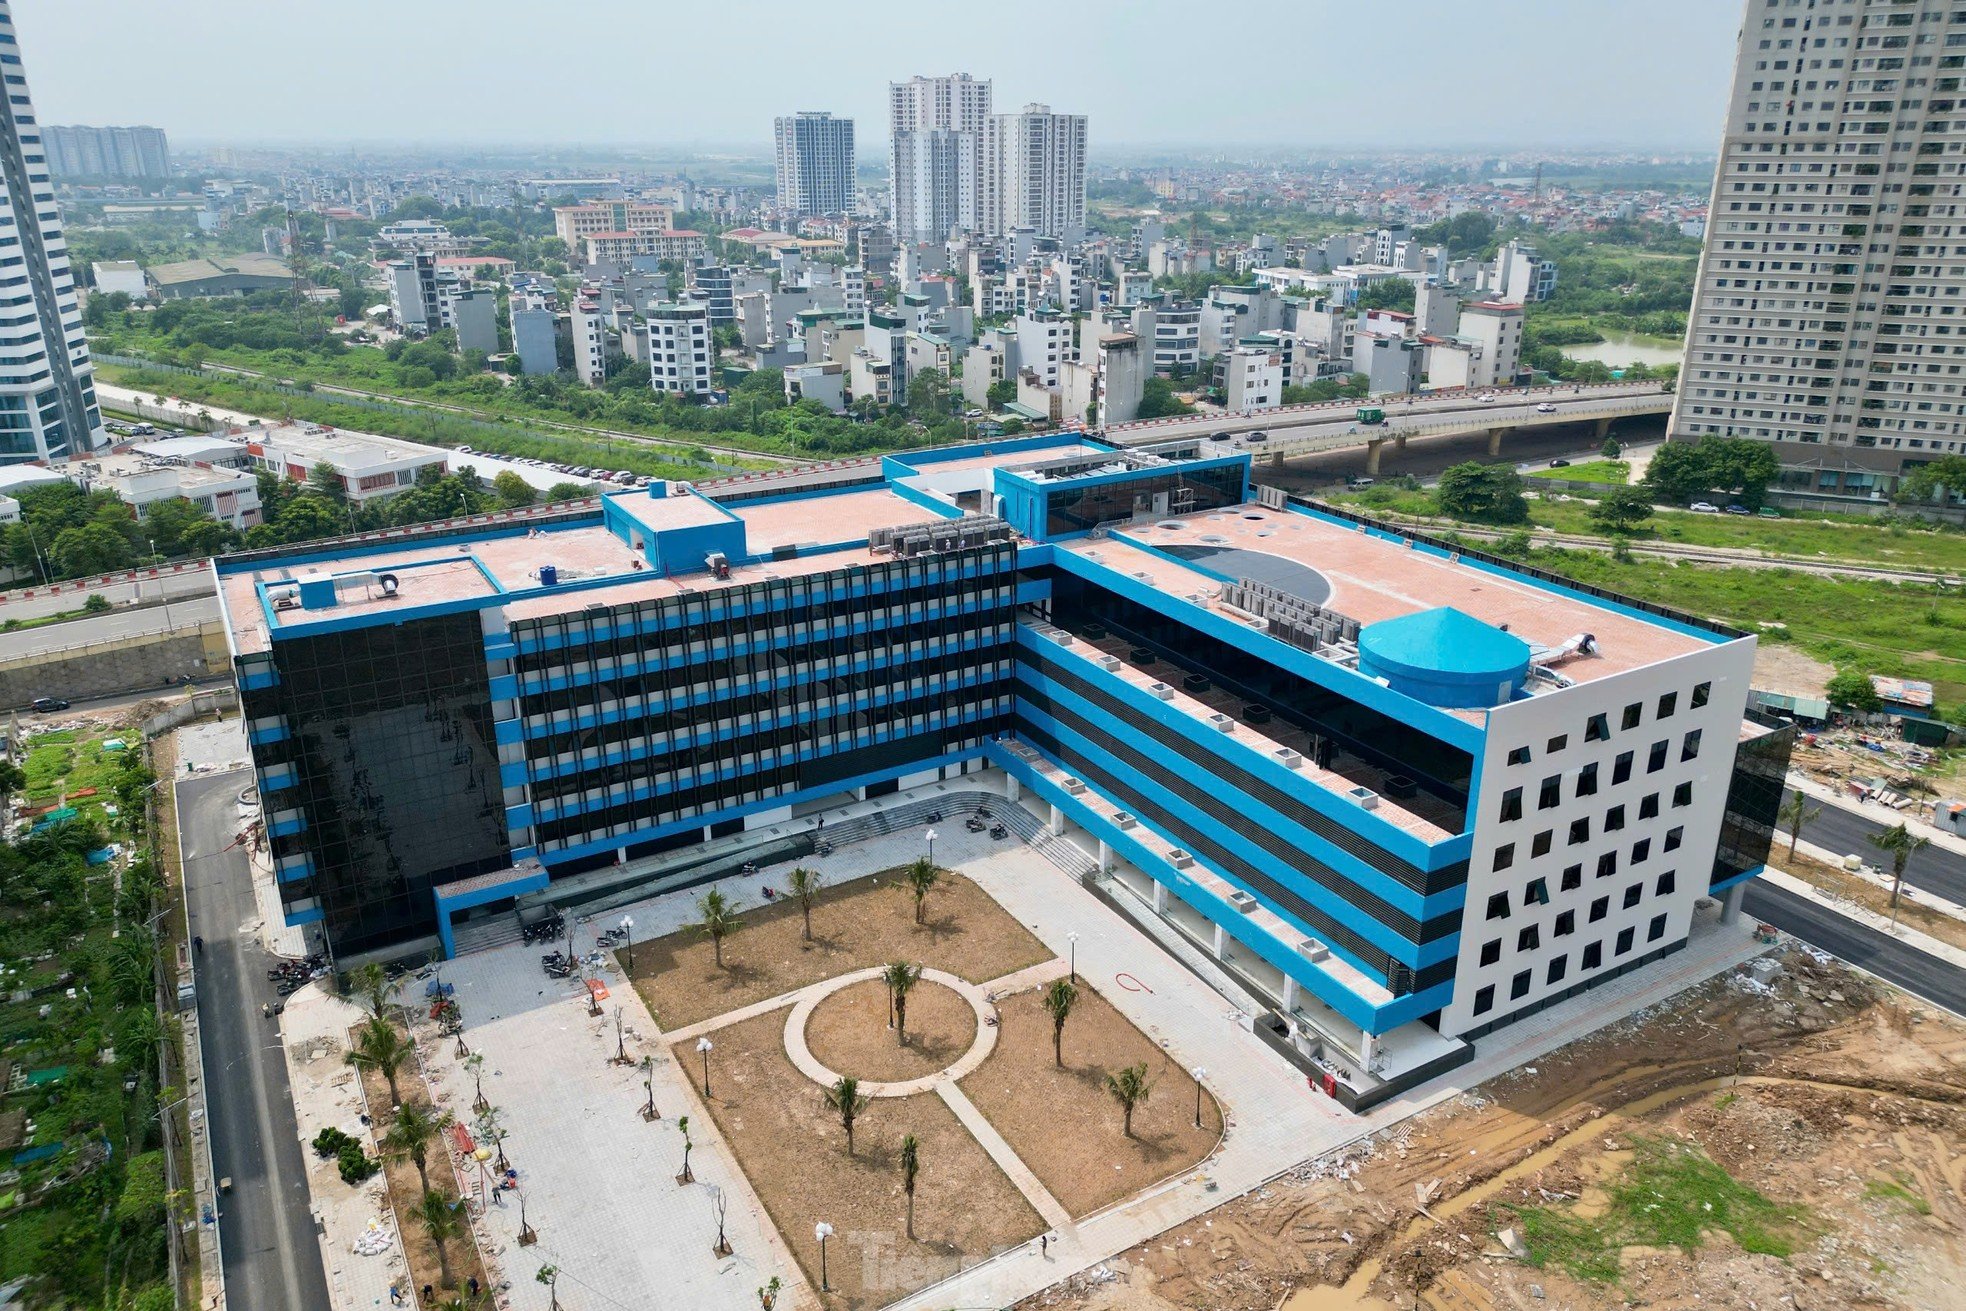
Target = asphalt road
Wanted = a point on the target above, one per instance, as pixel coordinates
(178, 615)
(1932, 868)
(272, 1255)
(1917, 972)
(189, 582)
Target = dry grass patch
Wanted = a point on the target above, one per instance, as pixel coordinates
(1066, 1126)
(792, 1149)
(868, 921)
(848, 1032)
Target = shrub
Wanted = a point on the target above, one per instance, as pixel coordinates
(330, 1141)
(355, 1164)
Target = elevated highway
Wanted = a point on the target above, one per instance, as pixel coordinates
(1331, 425)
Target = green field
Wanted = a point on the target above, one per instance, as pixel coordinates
(1590, 471)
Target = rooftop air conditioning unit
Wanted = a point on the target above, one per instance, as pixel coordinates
(1312, 949)
(1289, 759)
(1243, 902)
(1059, 636)
(1223, 723)
(1366, 798)
(1109, 662)
(1162, 690)
(1074, 786)
(1179, 858)
(1124, 819)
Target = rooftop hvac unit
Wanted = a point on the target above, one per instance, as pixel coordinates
(1059, 636)
(1179, 858)
(1222, 723)
(1074, 786)
(1366, 798)
(1163, 691)
(1124, 819)
(1289, 759)
(1312, 949)
(1109, 662)
(1243, 902)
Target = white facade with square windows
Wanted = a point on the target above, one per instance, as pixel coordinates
(1598, 817)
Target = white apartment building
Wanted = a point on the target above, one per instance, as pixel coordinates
(48, 409)
(682, 358)
(935, 162)
(1496, 328)
(1252, 379)
(1034, 173)
(590, 342)
(815, 163)
(1830, 286)
(371, 467)
(1519, 274)
(1044, 343)
(853, 289)
(823, 381)
(1123, 368)
(230, 496)
(1173, 332)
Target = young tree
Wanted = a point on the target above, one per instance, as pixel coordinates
(1945, 474)
(410, 1136)
(438, 1216)
(475, 1063)
(1621, 510)
(1129, 1088)
(911, 1165)
(383, 1048)
(717, 920)
(373, 984)
(1900, 842)
(804, 884)
(848, 1101)
(922, 877)
(1852, 690)
(1059, 999)
(901, 978)
(1795, 812)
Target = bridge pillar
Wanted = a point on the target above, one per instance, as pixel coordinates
(1399, 441)
(1603, 427)
(1276, 459)
(1372, 454)
(1495, 440)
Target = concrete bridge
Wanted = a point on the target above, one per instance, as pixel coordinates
(1332, 425)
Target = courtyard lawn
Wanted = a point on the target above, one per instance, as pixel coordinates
(792, 1149)
(868, 921)
(1066, 1126)
(1590, 471)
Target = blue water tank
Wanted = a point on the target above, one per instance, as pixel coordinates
(1445, 658)
(549, 575)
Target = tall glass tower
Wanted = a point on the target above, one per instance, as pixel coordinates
(48, 407)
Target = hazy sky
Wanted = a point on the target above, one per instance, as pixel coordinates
(1300, 73)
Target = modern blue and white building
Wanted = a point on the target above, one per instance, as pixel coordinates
(1407, 792)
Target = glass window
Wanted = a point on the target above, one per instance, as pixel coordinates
(1700, 695)
(1597, 728)
(1607, 864)
(1551, 794)
(1665, 885)
(1540, 844)
(1641, 851)
(1682, 795)
(1557, 743)
(1656, 761)
(1656, 929)
(1593, 956)
(1566, 924)
(1648, 806)
(1484, 1000)
(1673, 837)
(1587, 780)
(1519, 756)
(1519, 986)
(1498, 906)
(1557, 968)
(1505, 855)
(1580, 831)
(1528, 939)
(1537, 893)
(1511, 805)
(1624, 942)
(1614, 819)
(1667, 704)
(1491, 951)
(1600, 907)
(1573, 878)
(1632, 895)
(1690, 748)
(1631, 717)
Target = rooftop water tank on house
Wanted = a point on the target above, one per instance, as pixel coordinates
(1445, 658)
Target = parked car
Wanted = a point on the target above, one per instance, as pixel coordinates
(1546, 408)
(1769, 512)
(49, 704)
(1704, 507)
(1559, 464)
(1738, 509)
(464, 450)
(1358, 484)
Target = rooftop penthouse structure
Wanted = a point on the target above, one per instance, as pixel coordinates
(1409, 792)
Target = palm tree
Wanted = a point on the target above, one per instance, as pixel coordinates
(376, 988)
(382, 1047)
(1796, 812)
(901, 977)
(805, 884)
(1059, 999)
(1129, 1088)
(438, 1216)
(719, 920)
(1900, 842)
(922, 878)
(911, 1165)
(410, 1136)
(846, 1098)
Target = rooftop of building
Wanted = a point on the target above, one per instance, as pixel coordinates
(311, 443)
(131, 465)
(197, 270)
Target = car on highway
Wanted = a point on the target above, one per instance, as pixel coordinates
(1738, 509)
(1559, 463)
(1255, 438)
(1546, 408)
(1486, 398)
(48, 704)
(1704, 507)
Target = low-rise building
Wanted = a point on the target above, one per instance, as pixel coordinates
(140, 481)
(474, 317)
(823, 381)
(680, 245)
(120, 275)
(371, 467)
(223, 275)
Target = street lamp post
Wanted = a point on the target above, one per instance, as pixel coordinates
(1073, 938)
(823, 1231)
(628, 952)
(1199, 1074)
(703, 1047)
(931, 846)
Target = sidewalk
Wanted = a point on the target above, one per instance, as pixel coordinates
(1884, 815)
(1877, 878)
(1856, 914)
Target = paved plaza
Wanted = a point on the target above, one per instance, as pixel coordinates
(600, 1182)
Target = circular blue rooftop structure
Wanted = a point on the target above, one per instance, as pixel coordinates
(1445, 658)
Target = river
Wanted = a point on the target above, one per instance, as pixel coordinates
(1619, 349)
